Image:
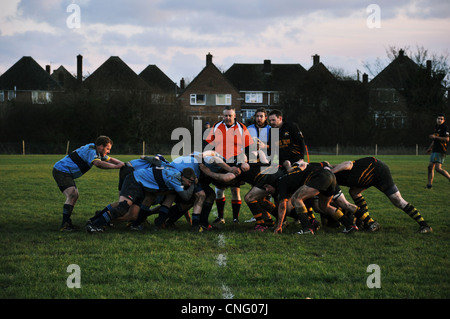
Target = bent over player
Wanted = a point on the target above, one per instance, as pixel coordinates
(363, 173)
(76, 164)
(150, 181)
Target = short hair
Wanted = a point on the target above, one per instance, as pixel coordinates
(103, 140)
(229, 107)
(261, 110)
(278, 113)
(188, 173)
(441, 114)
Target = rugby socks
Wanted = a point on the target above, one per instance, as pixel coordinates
(340, 217)
(220, 204)
(257, 211)
(362, 204)
(175, 213)
(162, 217)
(363, 215)
(204, 215)
(302, 214)
(236, 207)
(414, 214)
(67, 212)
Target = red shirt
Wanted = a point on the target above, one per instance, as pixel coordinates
(229, 141)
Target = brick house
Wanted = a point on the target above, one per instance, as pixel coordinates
(208, 94)
(265, 85)
(27, 81)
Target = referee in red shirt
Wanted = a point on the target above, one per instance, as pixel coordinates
(231, 139)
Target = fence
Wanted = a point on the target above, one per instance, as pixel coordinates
(30, 148)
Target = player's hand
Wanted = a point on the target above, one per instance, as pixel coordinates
(278, 230)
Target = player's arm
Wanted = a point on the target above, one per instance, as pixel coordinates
(225, 178)
(342, 167)
(187, 194)
(282, 207)
(108, 165)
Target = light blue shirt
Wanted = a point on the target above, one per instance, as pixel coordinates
(88, 154)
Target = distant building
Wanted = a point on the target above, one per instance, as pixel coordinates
(27, 81)
(264, 85)
(208, 94)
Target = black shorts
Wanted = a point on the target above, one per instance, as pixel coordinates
(63, 180)
(324, 181)
(132, 189)
(124, 172)
(383, 179)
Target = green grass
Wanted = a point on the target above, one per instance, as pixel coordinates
(178, 264)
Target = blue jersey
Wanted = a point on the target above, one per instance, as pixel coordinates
(188, 161)
(79, 161)
(261, 133)
(139, 164)
(164, 178)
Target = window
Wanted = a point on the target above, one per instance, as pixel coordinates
(11, 95)
(253, 97)
(223, 99)
(2, 96)
(198, 99)
(41, 97)
(276, 98)
(247, 114)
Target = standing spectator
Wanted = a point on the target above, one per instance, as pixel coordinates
(291, 145)
(260, 130)
(75, 165)
(438, 149)
(231, 139)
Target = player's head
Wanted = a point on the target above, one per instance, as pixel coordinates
(440, 118)
(187, 177)
(276, 118)
(103, 145)
(229, 115)
(261, 117)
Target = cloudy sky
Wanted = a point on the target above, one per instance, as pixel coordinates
(176, 35)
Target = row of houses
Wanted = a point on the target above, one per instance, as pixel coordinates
(246, 86)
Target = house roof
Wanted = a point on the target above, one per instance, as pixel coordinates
(319, 72)
(158, 79)
(64, 78)
(197, 81)
(114, 74)
(27, 75)
(397, 74)
(265, 77)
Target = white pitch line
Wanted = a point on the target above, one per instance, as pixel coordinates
(222, 262)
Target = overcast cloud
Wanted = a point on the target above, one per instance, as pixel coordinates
(176, 35)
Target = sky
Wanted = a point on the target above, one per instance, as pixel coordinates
(177, 35)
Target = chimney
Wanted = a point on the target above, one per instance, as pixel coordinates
(365, 78)
(401, 53)
(209, 59)
(182, 84)
(80, 68)
(267, 66)
(429, 64)
(47, 68)
(316, 59)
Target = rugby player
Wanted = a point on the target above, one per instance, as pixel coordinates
(302, 183)
(366, 172)
(75, 165)
(151, 182)
(438, 150)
